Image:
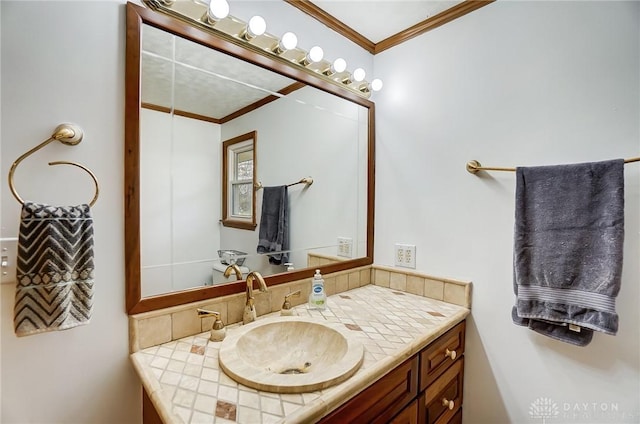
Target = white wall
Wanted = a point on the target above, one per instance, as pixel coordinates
(64, 61)
(1, 315)
(513, 83)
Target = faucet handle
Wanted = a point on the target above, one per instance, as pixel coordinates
(218, 331)
(286, 306)
(203, 313)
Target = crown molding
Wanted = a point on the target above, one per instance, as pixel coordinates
(346, 31)
(335, 24)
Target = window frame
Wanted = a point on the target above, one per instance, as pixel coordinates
(228, 178)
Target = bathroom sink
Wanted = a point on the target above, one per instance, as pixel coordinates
(290, 354)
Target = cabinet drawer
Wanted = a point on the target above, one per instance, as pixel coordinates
(440, 354)
(382, 400)
(442, 399)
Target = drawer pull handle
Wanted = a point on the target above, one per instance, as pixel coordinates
(451, 354)
(448, 403)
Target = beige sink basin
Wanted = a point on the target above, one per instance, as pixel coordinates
(290, 354)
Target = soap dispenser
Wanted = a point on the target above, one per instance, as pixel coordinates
(318, 297)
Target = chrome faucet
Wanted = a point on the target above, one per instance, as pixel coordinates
(230, 269)
(249, 314)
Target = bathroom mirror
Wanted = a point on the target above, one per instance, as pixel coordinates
(188, 90)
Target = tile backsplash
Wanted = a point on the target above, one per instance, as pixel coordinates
(164, 325)
(448, 290)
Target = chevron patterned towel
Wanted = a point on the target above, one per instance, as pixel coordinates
(54, 268)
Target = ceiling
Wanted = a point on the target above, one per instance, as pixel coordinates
(383, 18)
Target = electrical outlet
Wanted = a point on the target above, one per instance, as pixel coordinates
(399, 255)
(405, 255)
(345, 247)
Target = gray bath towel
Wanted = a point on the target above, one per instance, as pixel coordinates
(569, 232)
(274, 225)
(54, 268)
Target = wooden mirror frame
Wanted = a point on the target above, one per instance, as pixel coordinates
(136, 17)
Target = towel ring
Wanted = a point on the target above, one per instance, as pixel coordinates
(68, 134)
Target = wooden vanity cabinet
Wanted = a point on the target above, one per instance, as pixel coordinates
(426, 388)
(441, 378)
(408, 415)
(381, 401)
(441, 354)
(442, 400)
(149, 413)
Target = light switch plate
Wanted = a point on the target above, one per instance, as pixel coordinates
(8, 251)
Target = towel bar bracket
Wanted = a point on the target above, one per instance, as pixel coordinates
(68, 134)
(65, 133)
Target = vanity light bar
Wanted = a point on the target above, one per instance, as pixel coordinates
(214, 15)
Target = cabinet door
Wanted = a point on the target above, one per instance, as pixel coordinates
(381, 401)
(408, 415)
(440, 354)
(443, 398)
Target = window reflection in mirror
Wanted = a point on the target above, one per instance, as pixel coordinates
(238, 181)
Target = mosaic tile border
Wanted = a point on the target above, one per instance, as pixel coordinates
(164, 325)
(448, 290)
(157, 327)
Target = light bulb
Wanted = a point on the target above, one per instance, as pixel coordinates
(289, 41)
(257, 26)
(218, 9)
(359, 74)
(339, 65)
(315, 54)
(376, 84)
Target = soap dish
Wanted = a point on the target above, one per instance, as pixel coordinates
(228, 257)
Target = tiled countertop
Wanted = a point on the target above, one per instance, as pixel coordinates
(186, 385)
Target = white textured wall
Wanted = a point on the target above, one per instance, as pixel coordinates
(513, 83)
(64, 61)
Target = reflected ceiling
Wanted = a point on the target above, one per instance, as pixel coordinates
(207, 83)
